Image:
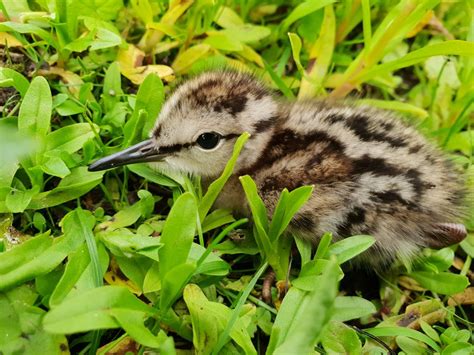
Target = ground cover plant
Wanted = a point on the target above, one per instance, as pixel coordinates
(132, 260)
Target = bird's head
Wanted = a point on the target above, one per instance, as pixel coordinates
(200, 122)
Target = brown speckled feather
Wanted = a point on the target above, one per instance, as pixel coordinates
(372, 174)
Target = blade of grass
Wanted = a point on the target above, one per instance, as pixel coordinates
(224, 336)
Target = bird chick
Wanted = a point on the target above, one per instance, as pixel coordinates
(372, 174)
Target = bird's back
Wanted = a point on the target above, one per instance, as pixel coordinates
(372, 174)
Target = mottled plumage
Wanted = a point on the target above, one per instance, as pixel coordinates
(372, 174)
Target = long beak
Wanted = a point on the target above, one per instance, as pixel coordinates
(138, 153)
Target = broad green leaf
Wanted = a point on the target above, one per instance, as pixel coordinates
(79, 314)
(348, 248)
(173, 282)
(14, 147)
(78, 275)
(148, 173)
(410, 346)
(187, 58)
(350, 307)
(259, 211)
(17, 200)
(27, 28)
(9, 77)
(216, 219)
(247, 33)
(458, 348)
(397, 331)
(303, 315)
(227, 17)
(123, 242)
(303, 9)
(112, 90)
(20, 325)
(339, 338)
(223, 41)
(35, 109)
(55, 166)
(72, 186)
(130, 214)
(149, 99)
(77, 264)
(178, 233)
(70, 138)
(209, 320)
(132, 323)
(445, 283)
(24, 252)
(100, 9)
(296, 199)
(41, 263)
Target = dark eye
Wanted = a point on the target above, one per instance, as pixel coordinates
(208, 140)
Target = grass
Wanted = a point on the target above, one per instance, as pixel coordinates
(134, 260)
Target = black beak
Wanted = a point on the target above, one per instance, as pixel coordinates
(138, 153)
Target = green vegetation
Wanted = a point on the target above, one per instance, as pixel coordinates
(135, 260)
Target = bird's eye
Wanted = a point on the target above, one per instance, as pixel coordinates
(208, 140)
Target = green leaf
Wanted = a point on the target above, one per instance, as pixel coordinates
(247, 33)
(348, 248)
(70, 138)
(76, 184)
(132, 323)
(302, 10)
(259, 211)
(209, 319)
(187, 58)
(295, 42)
(55, 166)
(350, 307)
(223, 41)
(36, 107)
(100, 9)
(410, 346)
(396, 106)
(112, 90)
(17, 200)
(295, 200)
(148, 173)
(397, 331)
(173, 282)
(123, 242)
(24, 252)
(178, 233)
(149, 99)
(27, 28)
(458, 348)
(236, 312)
(303, 315)
(53, 253)
(20, 325)
(338, 338)
(444, 283)
(9, 77)
(78, 314)
(454, 47)
(130, 214)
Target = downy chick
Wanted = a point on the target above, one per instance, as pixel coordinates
(372, 174)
